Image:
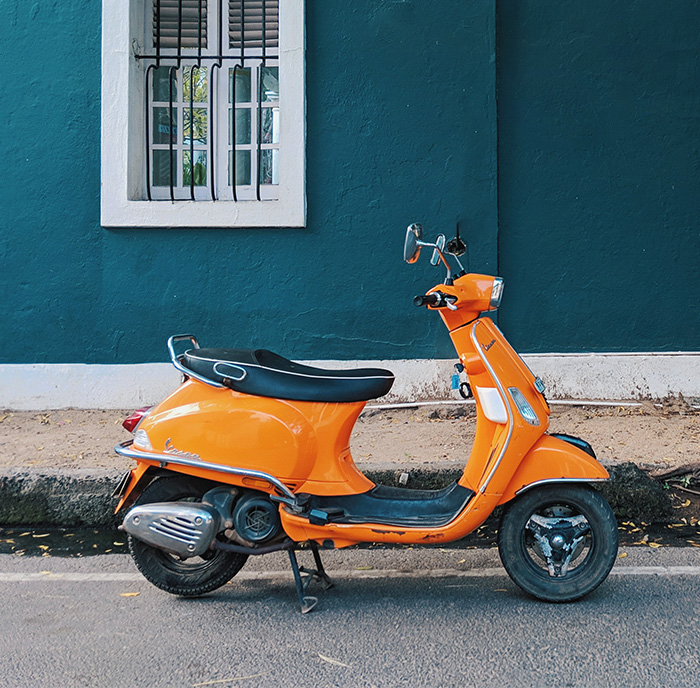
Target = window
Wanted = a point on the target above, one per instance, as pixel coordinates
(203, 113)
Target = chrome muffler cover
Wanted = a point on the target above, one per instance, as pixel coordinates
(180, 528)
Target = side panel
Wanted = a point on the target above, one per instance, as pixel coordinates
(553, 459)
(304, 444)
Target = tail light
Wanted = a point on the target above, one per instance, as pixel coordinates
(131, 423)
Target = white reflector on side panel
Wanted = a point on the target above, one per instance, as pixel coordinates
(493, 406)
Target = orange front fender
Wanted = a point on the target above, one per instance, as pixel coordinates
(553, 460)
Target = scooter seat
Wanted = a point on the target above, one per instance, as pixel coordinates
(266, 374)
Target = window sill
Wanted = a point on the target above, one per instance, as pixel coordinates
(272, 213)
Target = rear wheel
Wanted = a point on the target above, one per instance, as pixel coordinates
(187, 577)
(559, 542)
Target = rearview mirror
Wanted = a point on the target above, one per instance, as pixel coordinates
(440, 244)
(411, 246)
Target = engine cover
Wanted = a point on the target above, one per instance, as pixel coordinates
(180, 528)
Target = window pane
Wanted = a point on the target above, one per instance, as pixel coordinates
(199, 168)
(198, 129)
(161, 167)
(242, 85)
(242, 168)
(160, 84)
(199, 77)
(270, 125)
(269, 167)
(164, 126)
(270, 84)
(242, 126)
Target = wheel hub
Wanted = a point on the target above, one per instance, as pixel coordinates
(558, 539)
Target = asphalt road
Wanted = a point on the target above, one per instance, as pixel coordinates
(395, 618)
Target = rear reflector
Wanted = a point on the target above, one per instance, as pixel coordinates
(135, 418)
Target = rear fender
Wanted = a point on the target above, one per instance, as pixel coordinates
(552, 459)
(141, 476)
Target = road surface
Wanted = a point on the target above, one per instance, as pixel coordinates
(398, 617)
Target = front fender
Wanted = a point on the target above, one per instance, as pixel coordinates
(553, 460)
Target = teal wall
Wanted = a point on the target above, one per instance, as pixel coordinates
(599, 174)
(582, 192)
(401, 127)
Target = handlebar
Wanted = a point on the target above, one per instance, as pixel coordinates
(436, 299)
(426, 300)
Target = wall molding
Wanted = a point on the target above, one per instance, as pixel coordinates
(604, 376)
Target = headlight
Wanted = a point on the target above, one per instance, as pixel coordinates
(496, 293)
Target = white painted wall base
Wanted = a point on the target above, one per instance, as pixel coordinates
(567, 376)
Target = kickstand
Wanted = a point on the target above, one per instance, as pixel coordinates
(302, 583)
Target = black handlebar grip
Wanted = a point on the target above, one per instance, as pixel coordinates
(426, 300)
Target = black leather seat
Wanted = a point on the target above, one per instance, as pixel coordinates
(263, 373)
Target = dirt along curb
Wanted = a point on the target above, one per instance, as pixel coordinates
(83, 497)
(58, 469)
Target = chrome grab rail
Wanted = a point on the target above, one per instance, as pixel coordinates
(126, 449)
(176, 359)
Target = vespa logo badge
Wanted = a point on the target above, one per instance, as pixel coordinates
(169, 449)
(489, 345)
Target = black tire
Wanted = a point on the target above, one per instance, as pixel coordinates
(189, 577)
(592, 559)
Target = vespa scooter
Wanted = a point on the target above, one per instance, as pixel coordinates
(251, 455)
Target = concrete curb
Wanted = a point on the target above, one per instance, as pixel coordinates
(83, 497)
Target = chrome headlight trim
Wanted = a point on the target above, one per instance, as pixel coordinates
(496, 293)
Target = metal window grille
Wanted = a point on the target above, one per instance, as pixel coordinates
(192, 41)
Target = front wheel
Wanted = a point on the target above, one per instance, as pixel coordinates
(558, 542)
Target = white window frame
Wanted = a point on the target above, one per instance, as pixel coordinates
(123, 202)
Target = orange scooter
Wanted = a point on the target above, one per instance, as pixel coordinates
(251, 454)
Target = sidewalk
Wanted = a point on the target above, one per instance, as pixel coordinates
(59, 467)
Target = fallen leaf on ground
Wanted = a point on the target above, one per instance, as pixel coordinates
(364, 568)
(655, 545)
(129, 594)
(622, 555)
(229, 680)
(41, 535)
(330, 660)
